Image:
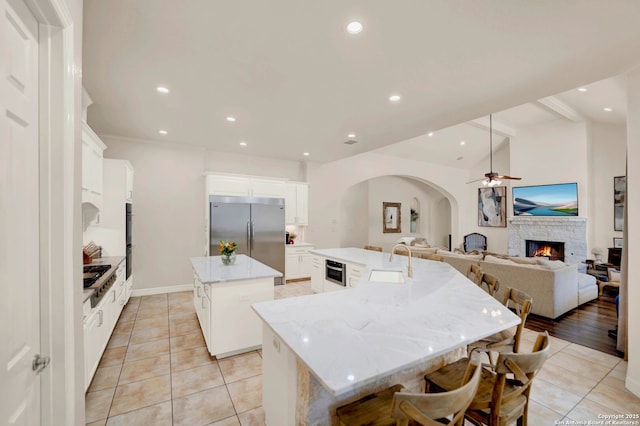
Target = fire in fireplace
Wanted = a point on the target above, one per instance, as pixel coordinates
(552, 250)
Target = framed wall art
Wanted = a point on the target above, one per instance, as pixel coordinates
(492, 206)
(619, 194)
(618, 242)
(390, 218)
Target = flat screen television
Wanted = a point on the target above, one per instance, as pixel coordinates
(546, 200)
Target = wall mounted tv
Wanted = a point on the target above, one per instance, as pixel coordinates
(546, 200)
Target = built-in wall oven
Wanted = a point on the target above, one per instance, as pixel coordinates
(336, 272)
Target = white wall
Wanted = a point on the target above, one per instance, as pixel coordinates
(354, 215)
(553, 152)
(608, 159)
(632, 243)
(497, 237)
(329, 182)
(168, 203)
(397, 189)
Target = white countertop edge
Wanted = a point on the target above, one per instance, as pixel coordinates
(336, 391)
(210, 269)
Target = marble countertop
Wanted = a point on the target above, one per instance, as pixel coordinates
(299, 245)
(353, 337)
(210, 269)
(114, 261)
(374, 259)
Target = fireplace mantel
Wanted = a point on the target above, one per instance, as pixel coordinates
(572, 231)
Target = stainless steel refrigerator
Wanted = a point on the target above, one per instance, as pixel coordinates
(256, 224)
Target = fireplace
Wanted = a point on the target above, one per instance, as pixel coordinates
(552, 250)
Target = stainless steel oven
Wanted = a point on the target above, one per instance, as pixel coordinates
(336, 272)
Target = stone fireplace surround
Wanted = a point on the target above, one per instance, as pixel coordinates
(572, 231)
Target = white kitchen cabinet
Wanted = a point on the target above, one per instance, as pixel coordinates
(129, 182)
(297, 262)
(296, 203)
(101, 321)
(244, 186)
(229, 324)
(354, 273)
(317, 274)
(92, 166)
(202, 304)
(92, 338)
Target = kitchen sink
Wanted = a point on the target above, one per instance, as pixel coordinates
(386, 276)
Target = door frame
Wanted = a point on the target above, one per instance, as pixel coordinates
(61, 333)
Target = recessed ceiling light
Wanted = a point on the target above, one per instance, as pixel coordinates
(163, 90)
(394, 98)
(462, 142)
(243, 143)
(162, 132)
(231, 119)
(354, 27)
(306, 154)
(430, 134)
(582, 89)
(608, 109)
(351, 135)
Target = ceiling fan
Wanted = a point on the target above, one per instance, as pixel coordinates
(492, 178)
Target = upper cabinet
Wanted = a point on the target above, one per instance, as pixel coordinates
(92, 166)
(297, 203)
(296, 194)
(241, 186)
(129, 182)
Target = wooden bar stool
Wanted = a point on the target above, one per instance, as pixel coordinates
(502, 397)
(431, 256)
(492, 283)
(474, 273)
(373, 248)
(506, 341)
(395, 407)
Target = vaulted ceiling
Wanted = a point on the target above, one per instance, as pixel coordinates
(296, 81)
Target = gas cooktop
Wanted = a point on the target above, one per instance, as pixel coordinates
(91, 274)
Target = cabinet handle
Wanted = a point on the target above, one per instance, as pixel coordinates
(203, 304)
(198, 291)
(101, 314)
(114, 297)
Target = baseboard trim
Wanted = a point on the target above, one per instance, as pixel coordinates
(161, 290)
(633, 386)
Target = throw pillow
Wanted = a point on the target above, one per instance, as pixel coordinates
(614, 275)
(550, 264)
(493, 259)
(524, 260)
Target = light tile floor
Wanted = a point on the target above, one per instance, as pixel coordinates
(157, 371)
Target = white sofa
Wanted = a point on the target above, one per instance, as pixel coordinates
(556, 288)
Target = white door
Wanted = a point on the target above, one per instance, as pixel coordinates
(19, 215)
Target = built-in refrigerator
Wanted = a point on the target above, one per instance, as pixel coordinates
(257, 225)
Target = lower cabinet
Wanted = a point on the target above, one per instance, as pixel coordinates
(100, 322)
(354, 273)
(320, 284)
(229, 324)
(297, 262)
(317, 274)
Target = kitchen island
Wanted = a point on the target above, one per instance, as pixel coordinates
(223, 295)
(326, 350)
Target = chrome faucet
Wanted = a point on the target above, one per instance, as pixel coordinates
(409, 270)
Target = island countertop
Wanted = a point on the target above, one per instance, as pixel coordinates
(351, 338)
(210, 269)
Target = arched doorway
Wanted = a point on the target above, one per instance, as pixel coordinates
(421, 203)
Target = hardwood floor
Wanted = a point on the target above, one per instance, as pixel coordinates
(588, 325)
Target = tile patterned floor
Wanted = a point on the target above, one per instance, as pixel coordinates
(156, 371)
